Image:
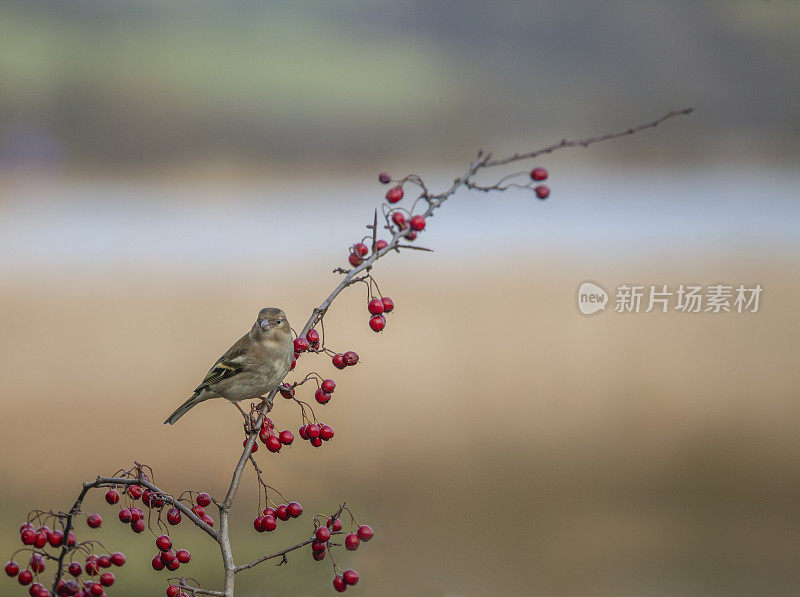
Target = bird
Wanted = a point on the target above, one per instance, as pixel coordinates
(252, 367)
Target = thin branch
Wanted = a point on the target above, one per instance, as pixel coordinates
(113, 482)
(587, 142)
(281, 553)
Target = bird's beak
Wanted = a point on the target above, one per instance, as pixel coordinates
(264, 324)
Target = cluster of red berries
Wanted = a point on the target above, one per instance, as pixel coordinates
(268, 520)
(316, 433)
(377, 307)
(42, 537)
(272, 440)
(414, 224)
(167, 557)
(345, 359)
(324, 391)
(135, 516)
(320, 544)
(537, 175)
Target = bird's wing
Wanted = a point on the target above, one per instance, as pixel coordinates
(228, 365)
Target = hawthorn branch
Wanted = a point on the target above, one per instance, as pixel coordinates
(281, 553)
(116, 482)
(588, 141)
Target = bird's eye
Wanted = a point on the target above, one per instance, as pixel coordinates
(278, 321)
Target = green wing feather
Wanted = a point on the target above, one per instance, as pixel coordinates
(227, 366)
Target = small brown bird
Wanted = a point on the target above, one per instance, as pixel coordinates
(252, 367)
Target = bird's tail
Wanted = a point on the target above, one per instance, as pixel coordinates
(198, 397)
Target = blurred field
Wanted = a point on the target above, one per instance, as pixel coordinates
(495, 439)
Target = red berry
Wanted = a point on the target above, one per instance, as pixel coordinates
(203, 499)
(253, 449)
(321, 397)
(269, 523)
(302, 432)
(125, 515)
(538, 174)
(25, 526)
(350, 577)
(12, 569)
(317, 546)
(269, 511)
(355, 260)
(411, 235)
(167, 556)
(313, 337)
(312, 431)
(41, 538)
(173, 516)
(322, 534)
(267, 423)
(361, 249)
(328, 385)
(381, 245)
(394, 194)
(112, 497)
(91, 566)
(96, 589)
(287, 391)
(300, 345)
(94, 520)
(157, 563)
(163, 542)
(293, 365)
(399, 219)
(417, 223)
(286, 437)
(377, 322)
(207, 519)
(325, 432)
(137, 525)
(334, 525)
(25, 577)
(104, 561)
(173, 565)
(384, 178)
(375, 306)
(28, 536)
(107, 579)
(273, 444)
(36, 563)
(173, 590)
(350, 358)
(264, 435)
(365, 532)
(136, 514)
(282, 512)
(75, 569)
(183, 556)
(318, 555)
(199, 511)
(351, 542)
(258, 524)
(388, 304)
(338, 361)
(71, 539)
(118, 558)
(339, 584)
(56, 538)
(294, 509)
(316, 442)
(542, 191)
(135, 491)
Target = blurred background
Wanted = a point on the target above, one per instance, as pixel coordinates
(167, 169)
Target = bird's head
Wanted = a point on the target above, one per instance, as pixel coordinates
(271, 322)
